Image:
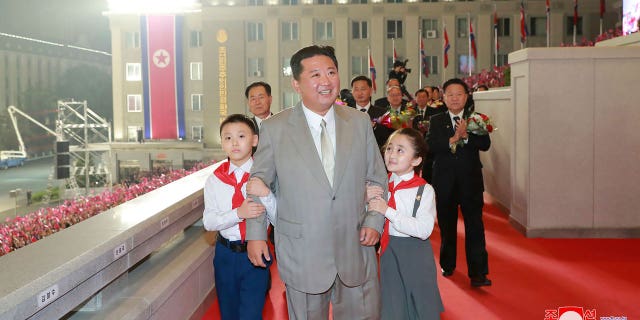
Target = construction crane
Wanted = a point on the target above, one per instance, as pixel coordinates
(89, 136)
(14, 158)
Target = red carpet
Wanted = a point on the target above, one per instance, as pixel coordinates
(532, 278)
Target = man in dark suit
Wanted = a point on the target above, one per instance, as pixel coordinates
(259, 99)
(457, 180)
(383, 102)
(361, 88)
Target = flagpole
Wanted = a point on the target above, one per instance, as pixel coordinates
(368, 63)
(469, 44)
(420, 57)
(548, 24)
(495, 35)
(393, 45)
(575, 20)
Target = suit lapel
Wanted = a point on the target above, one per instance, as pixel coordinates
(302, 140)
(344, 140)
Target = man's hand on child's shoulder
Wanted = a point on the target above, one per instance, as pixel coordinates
(256, 187)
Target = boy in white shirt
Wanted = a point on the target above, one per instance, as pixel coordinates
(240, 286)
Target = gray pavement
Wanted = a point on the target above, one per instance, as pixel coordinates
(34, 176)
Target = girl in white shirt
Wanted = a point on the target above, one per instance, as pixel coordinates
(407, 266)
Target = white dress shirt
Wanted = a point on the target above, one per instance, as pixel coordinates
(359, 108)
(314, 120)
(401, 220)
(218, 196)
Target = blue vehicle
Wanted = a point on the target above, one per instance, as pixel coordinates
(10, 159)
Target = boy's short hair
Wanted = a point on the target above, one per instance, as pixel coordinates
(239, 118)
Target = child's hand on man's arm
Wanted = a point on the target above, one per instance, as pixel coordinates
(256, 187)
(250, 209)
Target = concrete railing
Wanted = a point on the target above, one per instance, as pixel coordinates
(143, 259)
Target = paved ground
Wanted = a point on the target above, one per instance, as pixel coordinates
(34, 176)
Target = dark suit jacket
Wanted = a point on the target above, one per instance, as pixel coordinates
(379, 131)
(463, 167)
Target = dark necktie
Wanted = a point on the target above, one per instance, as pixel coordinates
(363, 109)
(455, 126)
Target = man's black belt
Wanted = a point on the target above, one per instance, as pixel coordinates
(235, 246)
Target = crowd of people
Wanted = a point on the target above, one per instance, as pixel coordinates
(352, 192)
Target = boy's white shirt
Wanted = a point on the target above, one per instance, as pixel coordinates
(218, 195)
(401, 221)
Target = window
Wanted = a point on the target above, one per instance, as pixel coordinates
(462, 27)
(325, 1)
(359, 1)
(196, 133)
(465, 63)
(429, 0)
(289, 30)
(394, 29)
(432, 62)
(195, 39)
(132, 133)
(290, 99)
(324, 30)
(503, 59)
(286, 67)
(430, 28)
(538, 26)
(132, 40)
(570, 26)
(255, 31)
(196, 70)
(133, 72)
(134, 102)
(255, 67)
(359, 66)
(256, 3)
(504, 27)
(196, 102)
(359, 30)
(394, 1)
(289, 2)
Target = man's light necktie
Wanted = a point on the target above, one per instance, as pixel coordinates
(326, 150)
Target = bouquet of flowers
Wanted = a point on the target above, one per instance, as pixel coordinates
(477, 123)
(402, 119)
(423, 126)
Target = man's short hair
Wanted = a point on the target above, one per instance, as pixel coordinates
(421, 90)
(362, 78)
(308, 52)
(238, 118)
(266, 86)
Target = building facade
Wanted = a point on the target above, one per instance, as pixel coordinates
(226, 45)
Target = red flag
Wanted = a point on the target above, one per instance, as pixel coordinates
(548, 12)
(395, 54)
(523, 25)
(447, 46)
(472, 40)
(372, 70)
(425, 65)
(162, 77)
(602, 9)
